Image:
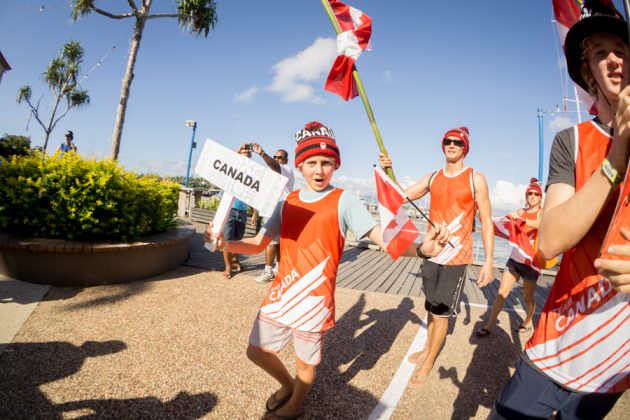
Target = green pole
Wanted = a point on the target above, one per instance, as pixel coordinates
(361, 89)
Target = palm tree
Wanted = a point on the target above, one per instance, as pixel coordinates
(196, 16)
(61, 76)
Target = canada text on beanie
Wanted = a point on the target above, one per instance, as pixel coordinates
(315, 139)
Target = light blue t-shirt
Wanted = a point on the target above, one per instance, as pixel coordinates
(239, 205)
(353, 214)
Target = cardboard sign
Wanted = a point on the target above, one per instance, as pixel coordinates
(257, 185)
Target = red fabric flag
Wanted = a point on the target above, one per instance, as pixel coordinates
(356, 28)
(399, 232)
(567, 13)
(512, 230)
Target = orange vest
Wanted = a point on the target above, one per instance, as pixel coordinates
(311, 244)
(582, 340)
(453, 202)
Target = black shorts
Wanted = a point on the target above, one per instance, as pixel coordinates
(443, 286)
(234, 228)
(521, 270)
(531, 395)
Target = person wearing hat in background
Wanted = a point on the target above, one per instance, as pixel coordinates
(280, 164)
(456, 193)
(69, 145)
(516, 267)
(312, 224)
(577, 363)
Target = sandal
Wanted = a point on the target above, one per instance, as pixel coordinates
(483, 332)
(236, 267)
(274, 403)
(523, 328)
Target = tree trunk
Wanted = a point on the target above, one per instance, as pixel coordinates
(126, 85)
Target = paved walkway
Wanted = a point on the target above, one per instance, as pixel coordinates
(173, 347)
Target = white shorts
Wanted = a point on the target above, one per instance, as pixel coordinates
(270, 336)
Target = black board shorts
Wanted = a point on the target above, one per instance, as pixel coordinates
(521, 270)
(443, 286)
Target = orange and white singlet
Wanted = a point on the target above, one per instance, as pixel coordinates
(453, 202)
(582, 340)
(302, 295)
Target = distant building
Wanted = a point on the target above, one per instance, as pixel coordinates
(4, 66)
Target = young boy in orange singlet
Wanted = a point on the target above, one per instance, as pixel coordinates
(312, 225)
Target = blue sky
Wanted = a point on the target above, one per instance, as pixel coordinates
(259, 76)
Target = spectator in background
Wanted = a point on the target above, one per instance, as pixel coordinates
(69, 145)
(279, 163)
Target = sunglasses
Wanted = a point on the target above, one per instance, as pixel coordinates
(448, 142)
(278, 157)
(533, 193)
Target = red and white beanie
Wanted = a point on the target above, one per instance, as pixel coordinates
(315, 139)
(534, 185)
(460, 133)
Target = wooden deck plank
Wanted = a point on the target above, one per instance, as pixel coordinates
(404, 270)
(400, 281)
(416, 289)
(379, 269)
(348, 267)
(367, 267)
(396, 269)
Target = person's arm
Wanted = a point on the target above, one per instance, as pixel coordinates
(534, 224)
(253, 245)
(434, 241)
(270, 161)
(482, 198)
(414, 192)
(568, 215)
(617, 271)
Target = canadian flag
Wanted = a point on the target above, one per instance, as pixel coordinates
(399, 232)
(567, 13)
(356, 29)
(512, 229)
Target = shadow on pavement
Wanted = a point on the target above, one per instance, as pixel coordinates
(26, 366)
(332, 396)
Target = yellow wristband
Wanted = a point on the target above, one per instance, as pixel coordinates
(611, 173)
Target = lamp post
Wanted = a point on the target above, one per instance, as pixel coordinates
(193, 124)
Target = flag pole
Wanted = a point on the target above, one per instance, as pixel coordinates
(361, 89)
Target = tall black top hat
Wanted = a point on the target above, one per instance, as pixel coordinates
(598, 17)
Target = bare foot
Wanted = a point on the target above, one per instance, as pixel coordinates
(418, 380)
(236, 267)
(418, 357)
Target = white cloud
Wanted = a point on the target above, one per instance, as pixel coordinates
(293, 76)
(506, 197)
(246, 96)
(387, 77)
(560, 123)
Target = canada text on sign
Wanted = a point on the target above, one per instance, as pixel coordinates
(244, 178)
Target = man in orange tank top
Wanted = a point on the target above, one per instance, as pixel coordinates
(456, 193)
(300, 305)
(577, 363)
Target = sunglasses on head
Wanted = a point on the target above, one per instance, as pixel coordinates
(448, 142)
(533, 193)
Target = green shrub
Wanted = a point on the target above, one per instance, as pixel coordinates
(69, 197)
(211, 203)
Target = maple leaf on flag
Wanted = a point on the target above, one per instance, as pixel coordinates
(399, 232)
(512, 229)
(567, 13)
(356, 29)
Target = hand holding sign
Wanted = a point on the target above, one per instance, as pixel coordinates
(240, 177)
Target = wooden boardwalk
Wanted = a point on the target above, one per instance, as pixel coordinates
(374, 271)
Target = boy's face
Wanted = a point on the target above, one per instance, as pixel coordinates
(608, 62)
(318, 172)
